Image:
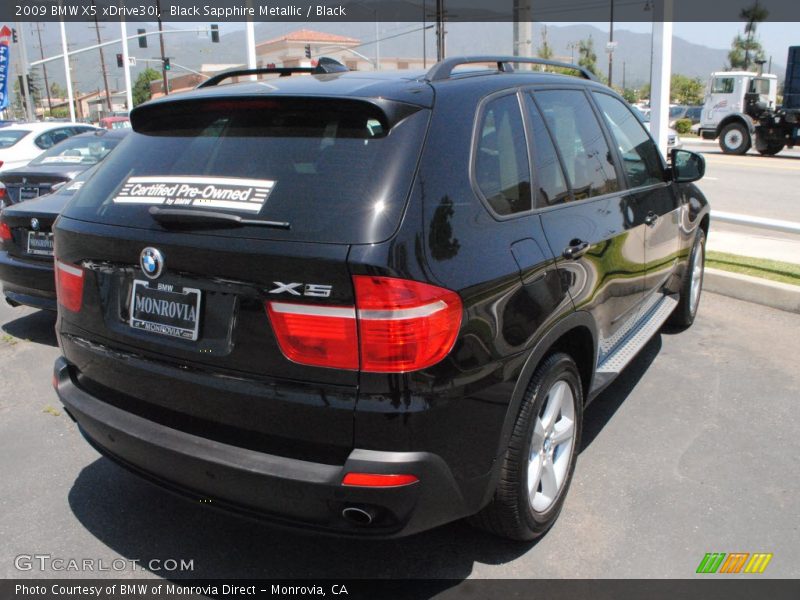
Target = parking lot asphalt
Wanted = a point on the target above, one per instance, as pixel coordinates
(692, 450)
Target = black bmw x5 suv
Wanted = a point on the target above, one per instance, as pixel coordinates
(371, 303)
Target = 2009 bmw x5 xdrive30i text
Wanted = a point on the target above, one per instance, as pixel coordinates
(371, 303)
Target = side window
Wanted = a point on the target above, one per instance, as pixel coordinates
(551, 188)
(722, 85)
(44, 141)
(640, 157)
(501, 163)
(587, 159)
(59, 135)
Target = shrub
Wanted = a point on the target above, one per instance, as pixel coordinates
(683, 126)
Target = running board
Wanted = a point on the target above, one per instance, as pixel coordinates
(636, 339)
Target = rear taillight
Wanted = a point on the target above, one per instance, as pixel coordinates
(69, 286)
(322, 336)
(397, 326)
(5, 232)
(404, 325)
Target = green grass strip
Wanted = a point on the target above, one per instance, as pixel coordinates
(756, 267)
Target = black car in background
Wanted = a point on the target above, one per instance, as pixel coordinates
(59, 164)
(26, 246)
(371, 303)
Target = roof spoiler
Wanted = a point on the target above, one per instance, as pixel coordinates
(444, 69)
(324, 66)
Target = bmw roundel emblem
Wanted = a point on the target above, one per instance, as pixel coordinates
(35, 224)
(152, 262)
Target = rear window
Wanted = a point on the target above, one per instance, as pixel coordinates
(336, 170)
(9, 137)
(77, 151)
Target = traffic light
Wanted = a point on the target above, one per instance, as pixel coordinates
(308, 50)
(14, 35)
(119, 60)
(167, 66)
(142, 38)
(215, 34)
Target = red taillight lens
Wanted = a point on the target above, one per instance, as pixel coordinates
(404, 325)
(5, 232)
(323, 336)
(2, 187)
(397, 326)
(377, 480)
(69, 286)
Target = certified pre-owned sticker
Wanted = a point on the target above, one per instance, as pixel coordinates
(233, 193)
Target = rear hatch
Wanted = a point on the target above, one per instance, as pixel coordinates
(27, 183)
(209, 210)
(31, 225)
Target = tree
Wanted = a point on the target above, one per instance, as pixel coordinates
(588, 58)
(141, 89)
(631, 96)
(545, 50)
(686, 90)
(746, 50)
(57, 91)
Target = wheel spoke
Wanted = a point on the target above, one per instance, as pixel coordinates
(563, 432)
(537, 440)
(548, 480)
(534, 475)
(553, 407)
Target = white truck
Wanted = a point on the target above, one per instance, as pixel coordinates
(741, 110)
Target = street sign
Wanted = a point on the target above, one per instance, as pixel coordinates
(132, 61)
(611, 46)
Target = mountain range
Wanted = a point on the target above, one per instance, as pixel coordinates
(632, 55)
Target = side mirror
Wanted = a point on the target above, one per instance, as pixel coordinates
(687, 166)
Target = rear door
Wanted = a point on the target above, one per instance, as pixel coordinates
(651, 194)
(596, 232)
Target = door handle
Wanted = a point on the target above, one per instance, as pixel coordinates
(651, 219)
(576, 249)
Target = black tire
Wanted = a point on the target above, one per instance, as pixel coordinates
(686, 311)
(735, 139)
(771, 149)
(511, 514)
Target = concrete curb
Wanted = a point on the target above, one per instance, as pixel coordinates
(775, 294)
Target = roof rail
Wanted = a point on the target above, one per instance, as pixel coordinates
(444, 69)
(324, 66)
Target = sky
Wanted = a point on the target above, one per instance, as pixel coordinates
(775, 38)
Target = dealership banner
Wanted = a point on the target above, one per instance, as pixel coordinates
(5, 33)
(396, 10)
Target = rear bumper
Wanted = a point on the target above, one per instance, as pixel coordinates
(28, 282)
(288, 491)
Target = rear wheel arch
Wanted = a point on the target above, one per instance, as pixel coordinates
(575, 333)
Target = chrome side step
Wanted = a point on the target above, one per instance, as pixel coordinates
(636, 339)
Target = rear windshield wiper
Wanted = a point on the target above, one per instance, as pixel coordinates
(194, 219)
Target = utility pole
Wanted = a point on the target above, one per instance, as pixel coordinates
(611, 48)
(624, 65)
(102, 61)
(440, 32)
(44, 67)
(67, 75)
(30, 107)
(163, 54)
(523, 30)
